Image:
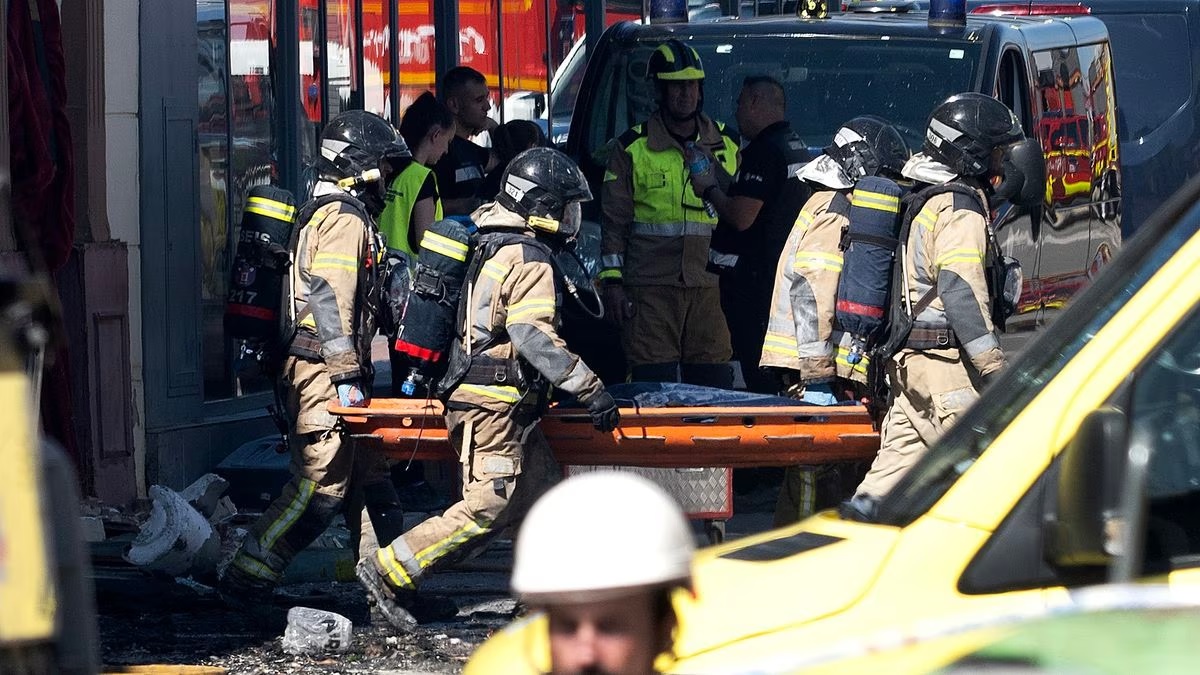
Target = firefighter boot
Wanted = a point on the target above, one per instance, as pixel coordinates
(390, 601)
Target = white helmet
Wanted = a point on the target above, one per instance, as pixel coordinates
(599, 535)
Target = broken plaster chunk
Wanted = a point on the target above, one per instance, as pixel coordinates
(176, 539)
(205, 492)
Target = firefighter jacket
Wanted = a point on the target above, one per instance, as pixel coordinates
(333, 286)
(655, 228)
(510, 331)
(945, 252)
(800, 332)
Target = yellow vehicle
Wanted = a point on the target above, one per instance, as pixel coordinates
(1019, 503)
(47, 616)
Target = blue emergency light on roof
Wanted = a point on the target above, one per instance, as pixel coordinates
(947, 14)
(668, 11)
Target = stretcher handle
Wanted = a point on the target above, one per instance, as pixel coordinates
(788, 437)
(716, 439)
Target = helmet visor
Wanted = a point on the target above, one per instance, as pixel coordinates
(571, 220)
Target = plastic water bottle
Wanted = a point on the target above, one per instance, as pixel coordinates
(409, 386)
(314, 631)
(857, 347)
(699, 165)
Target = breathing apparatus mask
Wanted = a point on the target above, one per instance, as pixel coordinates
(1023, 173)
(560, 234)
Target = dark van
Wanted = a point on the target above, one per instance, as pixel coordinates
(1056, 73)
(1156, 49)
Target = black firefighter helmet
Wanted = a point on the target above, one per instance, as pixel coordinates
(545, 187)
(965, 129)
(355, 142)
(868, 145)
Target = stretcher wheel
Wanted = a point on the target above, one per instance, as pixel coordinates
(714, 530)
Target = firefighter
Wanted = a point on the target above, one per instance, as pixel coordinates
(656, 232)
(801, 344)
(952, 350)
(328, 358)
(502, 364)
(601, 555)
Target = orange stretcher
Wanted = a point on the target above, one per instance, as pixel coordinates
(671, 437)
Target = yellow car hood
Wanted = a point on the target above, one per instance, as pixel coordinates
(780, 579)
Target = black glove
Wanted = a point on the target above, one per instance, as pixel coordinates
(603, 409)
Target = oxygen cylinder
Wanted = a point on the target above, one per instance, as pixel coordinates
(259, 264)
(868, 247)
(427, 328)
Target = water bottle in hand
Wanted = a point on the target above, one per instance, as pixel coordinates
(697, 161)
(699, 165)
(315, 631)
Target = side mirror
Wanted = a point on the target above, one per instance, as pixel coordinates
(1085, 525)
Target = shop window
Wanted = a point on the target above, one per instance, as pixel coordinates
(237, 145)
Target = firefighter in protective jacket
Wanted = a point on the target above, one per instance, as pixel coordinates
(801, 340)
(505, 359)
(656, 232)
(330, 321)
(974, 151)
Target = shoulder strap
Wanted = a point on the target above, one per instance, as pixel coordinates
(840, 204)
(627, 139)
(315, 204)
(964, 198)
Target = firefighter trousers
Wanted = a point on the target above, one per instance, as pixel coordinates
(506, 465)
(931, 389)
(672, 324)
(330, 474)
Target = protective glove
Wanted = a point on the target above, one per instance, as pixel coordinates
(818, 394)
(617, 307)
(350, 396)
(603, 409)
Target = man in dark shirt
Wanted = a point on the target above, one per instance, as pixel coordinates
(761, 206)
(460, 172)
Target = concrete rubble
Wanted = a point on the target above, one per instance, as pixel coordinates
(182, 535)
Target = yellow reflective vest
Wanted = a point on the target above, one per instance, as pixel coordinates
(656, 229)
(396, 220)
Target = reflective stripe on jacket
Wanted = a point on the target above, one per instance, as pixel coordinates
(947, 243)
(331, 277)
(656, 230)
(800, 333)
(513, 304)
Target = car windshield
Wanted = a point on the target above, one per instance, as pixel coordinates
(828, 81)
(1039, 363)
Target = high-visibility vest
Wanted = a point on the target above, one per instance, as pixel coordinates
(396, 220)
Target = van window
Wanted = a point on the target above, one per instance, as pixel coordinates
(828, 81)
(1012, 90)
(951, 456)
(1159, 83)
